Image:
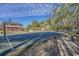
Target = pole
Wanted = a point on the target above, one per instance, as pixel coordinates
(5, 36)
(4, 27)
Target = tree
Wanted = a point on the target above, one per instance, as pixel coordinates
(68, 13)
(35, 24)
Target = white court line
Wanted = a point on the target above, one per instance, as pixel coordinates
(22, 47)
(30, 42)
(64, 33)
(9, 43)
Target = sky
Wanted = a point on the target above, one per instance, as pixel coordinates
(25, 13)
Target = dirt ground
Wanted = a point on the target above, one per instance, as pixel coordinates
(52, 47)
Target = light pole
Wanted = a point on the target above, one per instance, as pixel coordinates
(4, 28)
(5, 36)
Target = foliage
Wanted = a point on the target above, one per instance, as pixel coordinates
(65, 18)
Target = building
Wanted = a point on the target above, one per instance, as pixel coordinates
(12, 27)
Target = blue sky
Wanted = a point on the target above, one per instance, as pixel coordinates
(25, 13)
